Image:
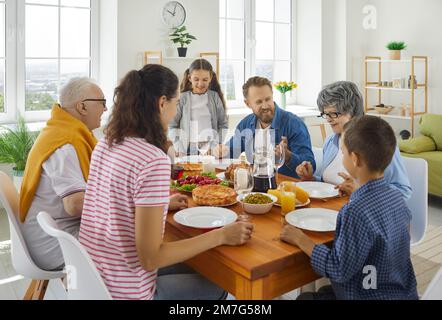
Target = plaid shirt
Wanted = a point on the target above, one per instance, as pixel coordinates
(370, 257)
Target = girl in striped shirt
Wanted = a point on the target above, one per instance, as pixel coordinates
(127, 198)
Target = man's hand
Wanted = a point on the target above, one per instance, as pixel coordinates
(178, 202)
(348, 186)
(296, 237)
(221, 151)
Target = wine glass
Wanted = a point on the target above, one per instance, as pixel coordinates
(279, 157)
(243, 182)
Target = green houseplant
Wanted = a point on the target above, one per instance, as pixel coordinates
(395, 49)
(182, 37)
(15, 145)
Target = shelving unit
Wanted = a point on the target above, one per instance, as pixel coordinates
(376, 85)
(157, 57)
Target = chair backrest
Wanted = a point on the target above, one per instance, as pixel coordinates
(84, 281)
(417, 170)
(319, 155)
(21, 258)
(434, 290)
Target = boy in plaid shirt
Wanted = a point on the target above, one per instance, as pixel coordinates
(370, 257)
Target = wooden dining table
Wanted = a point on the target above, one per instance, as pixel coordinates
(265, 267)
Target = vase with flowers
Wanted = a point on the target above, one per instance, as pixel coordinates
(284, 87)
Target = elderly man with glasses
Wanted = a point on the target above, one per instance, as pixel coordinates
(338, 104)
(58, 168)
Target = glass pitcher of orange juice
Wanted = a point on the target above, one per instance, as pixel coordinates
(288, 197)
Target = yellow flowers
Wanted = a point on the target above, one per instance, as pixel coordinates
(284, 86)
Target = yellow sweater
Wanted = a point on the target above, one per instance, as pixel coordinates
(60, 130)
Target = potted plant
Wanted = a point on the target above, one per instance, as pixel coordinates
(395, 49)
(15, 145)
(181, 36)
(285, 87)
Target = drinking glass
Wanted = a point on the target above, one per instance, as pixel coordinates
(243, 184)
(279, 157)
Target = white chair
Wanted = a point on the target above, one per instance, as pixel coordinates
(84, 281)
(21, 258)
(434, 290)
(319, 155)
(417, 170)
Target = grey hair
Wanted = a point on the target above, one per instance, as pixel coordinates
(344, 96)
(75, 91)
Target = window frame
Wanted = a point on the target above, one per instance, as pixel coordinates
(15, 67)
(250, 45)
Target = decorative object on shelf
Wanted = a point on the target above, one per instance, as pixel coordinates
(383, 109)
(412, 82)
(397, 83)
(405, 134)
(15, 145)
(395, 49)
(283, 88)
(153, 57)
(181, 36)
(174, 14)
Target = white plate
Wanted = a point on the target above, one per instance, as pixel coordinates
(225, 163)
(319, 190)
(195, 159)
(222, 176)
(316, 219)
(205, 217)
(298, 205)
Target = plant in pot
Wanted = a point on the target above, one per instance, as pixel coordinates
(15, 145)
(395, 49)
(181, 36)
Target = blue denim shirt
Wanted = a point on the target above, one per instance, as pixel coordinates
(372, 238)
(285, 124)
(395, 174)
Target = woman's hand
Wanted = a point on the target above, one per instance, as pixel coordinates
(236, 234)
(305, 171)
(348, 186)
(178, 202)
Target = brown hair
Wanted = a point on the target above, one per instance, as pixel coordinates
(136, 106)
(203, 64)
(373, 140)
(255, 82)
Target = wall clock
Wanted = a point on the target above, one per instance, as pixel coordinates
(174, 14)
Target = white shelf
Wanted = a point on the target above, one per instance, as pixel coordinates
(392, 89)
(391, 116)
(180, 58)
(388, 61)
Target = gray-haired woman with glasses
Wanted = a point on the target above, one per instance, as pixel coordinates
(339, 103)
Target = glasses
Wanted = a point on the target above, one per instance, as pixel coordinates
(96, 100)
(331, 115)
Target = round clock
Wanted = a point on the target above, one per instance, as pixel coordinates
(174, 14)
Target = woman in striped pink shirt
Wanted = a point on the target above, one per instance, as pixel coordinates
(127, 198)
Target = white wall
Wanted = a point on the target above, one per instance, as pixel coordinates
(140, 28)
(417, 23)
(309, 50)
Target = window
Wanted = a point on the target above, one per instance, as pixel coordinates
(2, 55)
(57, 42)
(255, 39)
